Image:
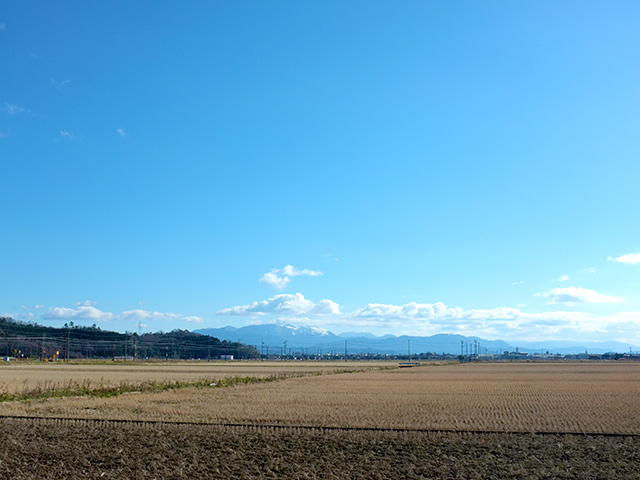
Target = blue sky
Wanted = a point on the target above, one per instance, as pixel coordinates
(391, 167)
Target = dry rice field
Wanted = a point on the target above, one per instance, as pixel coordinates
(494, 420)
(16, 377)
(509, 397)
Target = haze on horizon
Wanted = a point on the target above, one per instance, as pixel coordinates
(405, 168)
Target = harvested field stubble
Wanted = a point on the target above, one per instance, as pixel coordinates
(46, 449)
(578, 398)
(18, 377)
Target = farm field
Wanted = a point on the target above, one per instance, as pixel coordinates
(492, 420)
(46, 449)
(16, 377)
(509, 397)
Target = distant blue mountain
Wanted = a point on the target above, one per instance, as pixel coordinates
(315, 340)
(274, 336)
(357, 335)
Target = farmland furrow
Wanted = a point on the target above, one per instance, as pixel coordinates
(259, 426)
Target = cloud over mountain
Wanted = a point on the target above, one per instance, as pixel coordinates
(82, 312)
(87, 311)
(574, 295)
(280, 277)
(285, 304)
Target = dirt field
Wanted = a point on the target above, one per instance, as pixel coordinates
(76, 450)
(453, 421)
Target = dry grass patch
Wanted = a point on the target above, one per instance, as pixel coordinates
(23, 379)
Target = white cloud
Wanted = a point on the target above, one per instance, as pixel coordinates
(67, 134)
(147, 315)
(83, 312)
(86, 303)
(87, 311)
(429, 319)
(12, 109)
(573, 295)
(274, 280)
(194, 319)
(292, 271)
(59, 84)
(32, 307)
(279, 277)
(563, 278)
(518, 283)
(21, 316)
(121, 132)
(630, 258)
(139, 315)
(285, 304)
(410, 310)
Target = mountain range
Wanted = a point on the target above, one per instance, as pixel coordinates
(312, 340)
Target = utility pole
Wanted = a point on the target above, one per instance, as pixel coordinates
(285, 348)
(262, 352)
(345, 350)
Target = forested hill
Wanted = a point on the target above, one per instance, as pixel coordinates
(33, 341)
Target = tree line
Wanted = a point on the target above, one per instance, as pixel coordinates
(23, 340)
